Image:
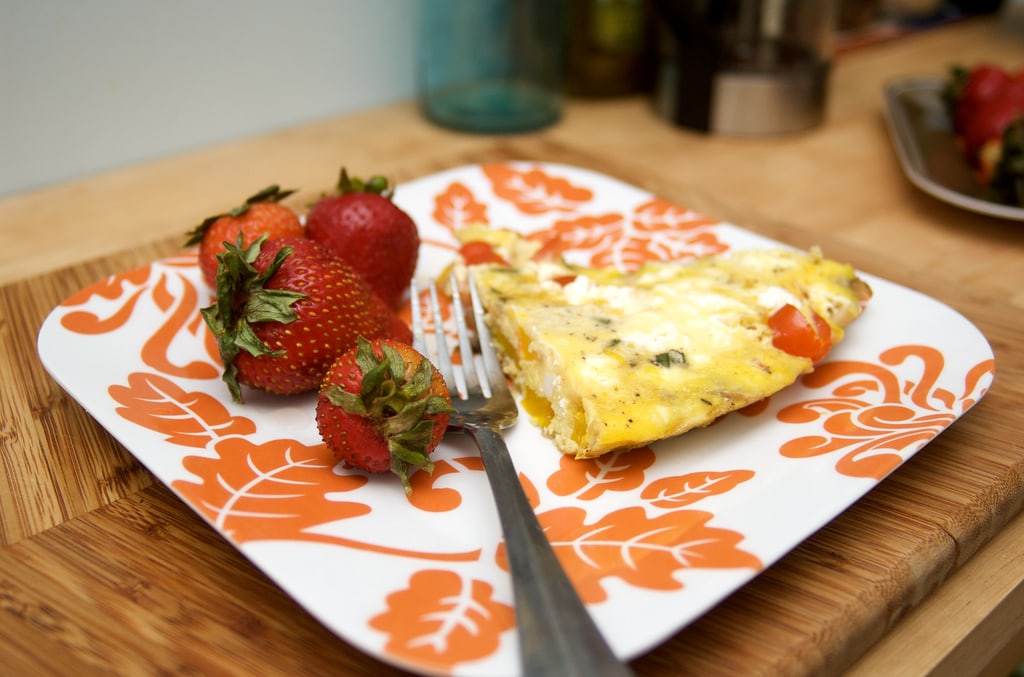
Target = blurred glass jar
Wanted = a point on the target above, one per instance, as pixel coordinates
(610, 48)
(492, 66)
(745, 66)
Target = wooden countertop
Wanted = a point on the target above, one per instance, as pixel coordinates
(103, 570)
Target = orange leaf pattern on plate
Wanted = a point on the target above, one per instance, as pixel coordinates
(441, 619)
(426, 496)
(85, 322)
(260, 491)
(111, 288)
(642, 551)
(874, 417)
(755, 409)
(183, 319)
(654, 231)
(191, 419)
(681, 490)
(587, 479)
(534, 191)
(625, 516)
(279, 490)
(456, 207)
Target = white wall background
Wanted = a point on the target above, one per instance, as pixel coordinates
(92, 85)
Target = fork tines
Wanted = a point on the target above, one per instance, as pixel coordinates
(480, 368)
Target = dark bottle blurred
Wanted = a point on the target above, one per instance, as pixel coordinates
(744, 66)
(610, 48)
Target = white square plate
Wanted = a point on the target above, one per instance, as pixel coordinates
(652, 538)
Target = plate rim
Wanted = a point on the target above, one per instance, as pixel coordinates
(654, 640)
(909, 152)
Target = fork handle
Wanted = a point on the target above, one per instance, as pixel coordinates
(557, 636)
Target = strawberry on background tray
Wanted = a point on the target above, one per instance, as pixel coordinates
(986, 105)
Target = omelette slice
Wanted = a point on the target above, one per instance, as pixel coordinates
(605, 360)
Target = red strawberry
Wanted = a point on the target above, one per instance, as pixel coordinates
(285, 310)
(260, 214)
(967, 89)
(383, 406)
(991, 118)
(363, 227)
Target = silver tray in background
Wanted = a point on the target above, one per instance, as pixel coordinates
(923, 135)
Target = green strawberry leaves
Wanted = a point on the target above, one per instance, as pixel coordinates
(243, 301)
(271, 193)
(376, 184)
(396, 398)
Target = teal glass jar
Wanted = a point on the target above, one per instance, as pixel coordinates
(492, 66)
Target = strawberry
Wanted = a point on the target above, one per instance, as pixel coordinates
(383, 406)
(362, 226)
(285, 310)
(991, 118)
(967, 89)
(986, 103)
(260, 214)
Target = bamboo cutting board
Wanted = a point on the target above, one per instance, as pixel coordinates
(104, 569)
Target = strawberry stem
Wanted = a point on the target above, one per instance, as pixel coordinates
(377, 184)
(272, 193)
(396, 400)
(243, 301)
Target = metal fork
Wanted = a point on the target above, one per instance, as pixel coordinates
(556, 633)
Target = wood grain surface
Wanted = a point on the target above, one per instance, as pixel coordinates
(104, 571)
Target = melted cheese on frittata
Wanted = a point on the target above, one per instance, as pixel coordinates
(611, 360)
